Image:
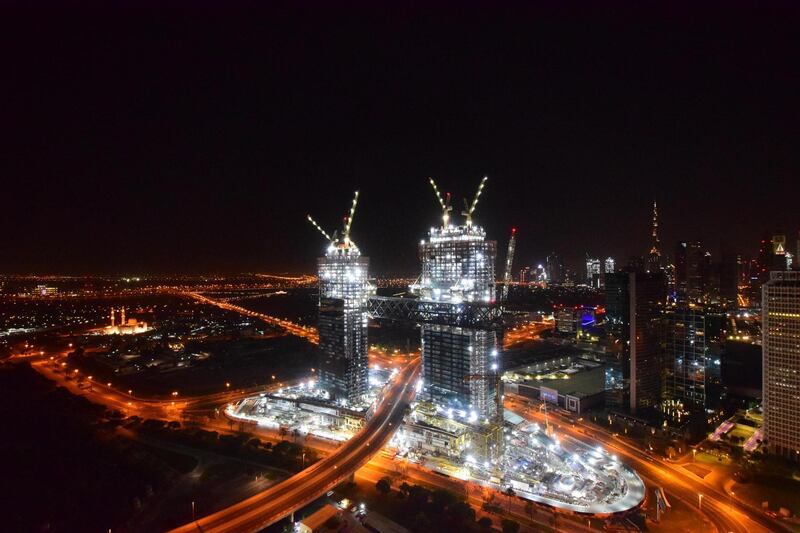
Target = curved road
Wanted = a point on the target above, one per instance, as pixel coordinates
(268, 507)
(718, 508)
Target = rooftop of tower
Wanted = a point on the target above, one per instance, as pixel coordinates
(464, 232)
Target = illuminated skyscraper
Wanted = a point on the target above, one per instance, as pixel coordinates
(460, 364)
(594, 272)
(781, 362)
(343, 292)
(686, 355)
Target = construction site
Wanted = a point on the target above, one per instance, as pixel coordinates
(457, 424)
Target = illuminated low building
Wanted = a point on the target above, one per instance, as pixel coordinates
(131, 326)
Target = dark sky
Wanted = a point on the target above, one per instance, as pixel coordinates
(196, 140)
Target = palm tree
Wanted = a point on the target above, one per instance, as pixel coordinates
(529, 508)
(510, 493)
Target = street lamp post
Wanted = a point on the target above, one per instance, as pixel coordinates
(193, 518)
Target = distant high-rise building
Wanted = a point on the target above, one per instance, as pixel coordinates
(781, 362)
(610, 265)
(710, 279)
(556, 273)
(779, 243)
(594, 271)
(689, 258)
(633, 315)
(540, 274)
(729, 274)
(653, 263)
(689, 332)
(525, 275)
(771, 255)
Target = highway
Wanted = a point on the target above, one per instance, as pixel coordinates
(524, 333)
(268, 507)
(171, 408)
(308, 333)
(716, 506)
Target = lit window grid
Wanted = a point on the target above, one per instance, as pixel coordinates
(343, 275)
(458, 264)
(781, 359)
(686, 362)
(457, 369)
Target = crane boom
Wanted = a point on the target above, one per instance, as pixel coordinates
(350, 217)
(314, 223)
(469, 209)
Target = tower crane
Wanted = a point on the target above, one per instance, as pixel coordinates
(446, 208)
(512, 241)
(347, 223)
(470, 208)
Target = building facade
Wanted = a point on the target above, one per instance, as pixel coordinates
(686, 356)
(781, 363)
(343, 346)
(594, 272)
(689, 269)
(634, 301)
(460, 364)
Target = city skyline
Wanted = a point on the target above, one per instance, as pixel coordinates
(194, 147)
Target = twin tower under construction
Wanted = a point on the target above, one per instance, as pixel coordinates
(453, 302)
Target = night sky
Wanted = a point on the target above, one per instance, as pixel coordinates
(140, 141)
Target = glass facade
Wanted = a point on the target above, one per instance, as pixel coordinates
(686, 360)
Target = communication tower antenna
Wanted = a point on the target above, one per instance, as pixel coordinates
(314, 223)
(444, 203)
(468, 212)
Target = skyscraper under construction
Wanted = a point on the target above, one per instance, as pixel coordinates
(460, 362)
(343, 291)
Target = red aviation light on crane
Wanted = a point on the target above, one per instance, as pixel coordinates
(513, 231)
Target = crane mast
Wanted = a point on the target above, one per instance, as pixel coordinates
(509, 263)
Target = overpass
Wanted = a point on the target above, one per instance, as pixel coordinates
(266, 508)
